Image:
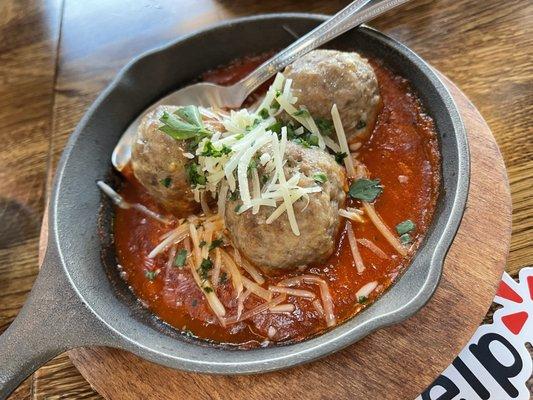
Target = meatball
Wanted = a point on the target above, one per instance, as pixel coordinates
(326, 77)
(159, 164)
(275, 245)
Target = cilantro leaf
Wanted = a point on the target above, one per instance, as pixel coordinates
(405, 238)
(366, 189)
(405, 227)
(166, 182)
(340, 156)
(320, 177)
(181, 257)
(151, 274)
(216, 243)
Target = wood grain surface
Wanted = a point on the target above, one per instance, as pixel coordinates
(432, 338)
(483, 46)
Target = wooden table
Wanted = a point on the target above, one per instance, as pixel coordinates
(56, 56)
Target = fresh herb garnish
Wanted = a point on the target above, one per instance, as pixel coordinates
(324, 125)
(151, 274)
(362, 299)
(320, 177)
(193, 176)
(366, 189)
(234, 195)
(340, 156)
(188, 333)
(210, 150)
(302, 112)
(278, 93)
(252, 165)
(405, 227)
(208, 289)
(256, 122)
(223, 278)
(264, 113)
(360, 125)
(313, 140)
(405, 238)
(237, 208)
(239, 136)
(185, 123)
(202, 243)
(181, 257)
(205, 266)
(166, 182)
(216, 243)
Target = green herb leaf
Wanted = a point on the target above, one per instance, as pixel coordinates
(340, 156)
(234, 195)
(362, 299)
(324, 125)
(320, 177)
(366, 189)
(209, 150)
(208, 289)
(166, 182)
(302, 112)
(181, 257)
(178, 128)
(237, 208)
(191, 115)
(216, 243)
(360, 125)
(193, 176)
(405, 238)
(202, 243)
(151, 274)
(313, 140)
(205, 266)
(264, 113)
(239, 136)
(405, 227)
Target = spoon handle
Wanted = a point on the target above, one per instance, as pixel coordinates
(346, 19)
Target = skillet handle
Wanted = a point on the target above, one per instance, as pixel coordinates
(51, 321)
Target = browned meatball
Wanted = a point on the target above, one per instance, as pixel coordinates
(322, 78)
(159, 164)
(275, 245)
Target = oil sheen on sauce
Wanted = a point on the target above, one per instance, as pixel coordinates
(402, 152)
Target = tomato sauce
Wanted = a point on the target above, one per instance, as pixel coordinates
(402, 153)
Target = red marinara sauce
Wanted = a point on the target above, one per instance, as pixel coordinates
(402, 152)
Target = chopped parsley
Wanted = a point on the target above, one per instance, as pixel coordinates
(313, 140)
(324, 125)
(194, 176)
(264, 113)
(166, 182)
(366, 189)
(208, 289)
(185, 123)
(237, 208)
(405, 227)
(205, 266)
(252, 165)
(320, 177)
(405, 238)
(362, 299)
(264, 179)
(210, 150)
(360, 125)
(151, 274)
(181, 257)
(239, 136)
(216, 243)
(202, 243)
(340, 156)
(234, 195)
(223, 278)
(302, 112)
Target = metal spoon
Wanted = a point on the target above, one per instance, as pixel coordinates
(208, 94)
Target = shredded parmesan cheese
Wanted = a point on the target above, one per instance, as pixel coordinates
(343, 143)
(355, 251)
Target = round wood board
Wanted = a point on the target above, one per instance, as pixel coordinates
(397, 362)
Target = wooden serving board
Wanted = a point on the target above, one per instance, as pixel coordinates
(397, 362)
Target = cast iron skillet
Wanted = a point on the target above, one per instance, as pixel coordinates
(78, 300)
